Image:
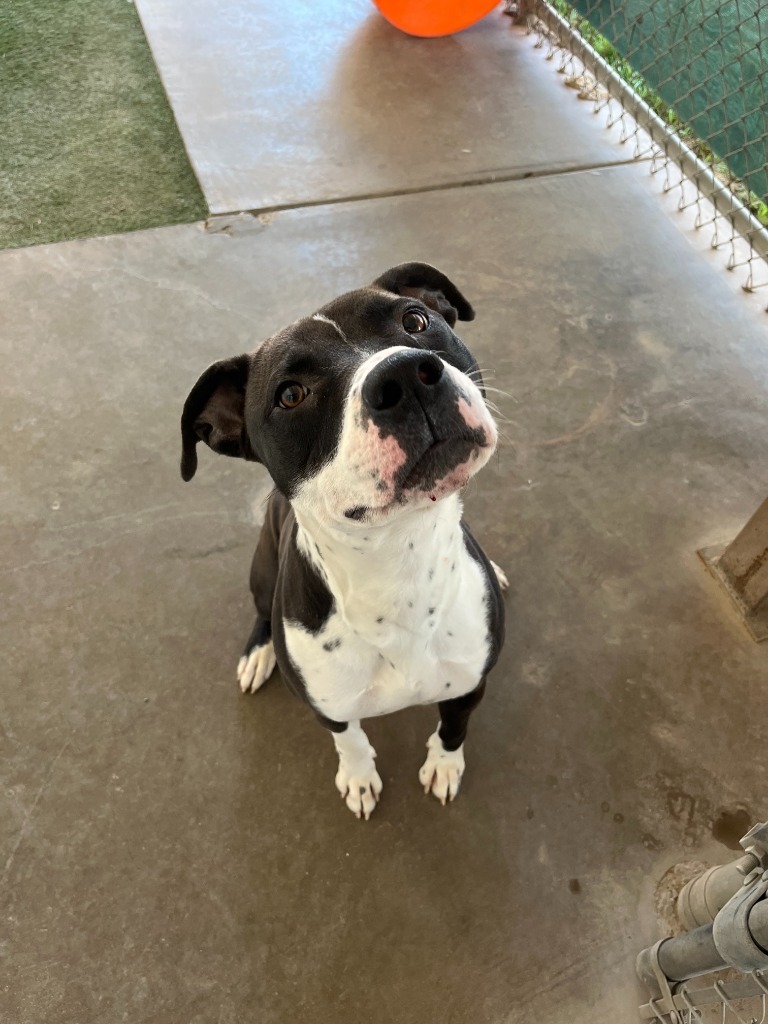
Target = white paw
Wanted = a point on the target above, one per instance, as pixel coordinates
(501, 576)
(360, 789)
(442, 771)
(254, 669)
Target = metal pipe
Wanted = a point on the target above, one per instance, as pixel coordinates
(723, 199)
(702, 897)
(694, 953)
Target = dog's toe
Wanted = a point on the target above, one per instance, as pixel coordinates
(442, 771)
(255, 668)
(360, 792)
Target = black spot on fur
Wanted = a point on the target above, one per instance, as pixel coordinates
(410, 545)
(431, 573)
(450, 633)
(356, 513)
(379, 619)
(430, 611)
(362, 790)
(447, 686)
(453, 566)
(391, 665)
(332, 645)
(410, 604)
(381, 486)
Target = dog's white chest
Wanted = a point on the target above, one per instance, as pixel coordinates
(413, 637)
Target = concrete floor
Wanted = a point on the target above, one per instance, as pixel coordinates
(174, 852)
(298, 102)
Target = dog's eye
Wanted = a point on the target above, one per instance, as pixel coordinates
(290, 394)
(414, 321)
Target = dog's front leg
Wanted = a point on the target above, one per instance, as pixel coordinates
(357, 779)
(443, 769)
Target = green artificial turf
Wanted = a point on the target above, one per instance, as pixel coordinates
(88, 144)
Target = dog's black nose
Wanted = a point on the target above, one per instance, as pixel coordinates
(401, 374)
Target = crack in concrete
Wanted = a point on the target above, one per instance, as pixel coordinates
(28, 816)
(491, 178)
(36, 563)
(184, 288)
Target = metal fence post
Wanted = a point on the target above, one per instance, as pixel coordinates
(742, 568)
(737, 938)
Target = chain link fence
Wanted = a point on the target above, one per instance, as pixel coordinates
(723, 999)
(688, 80)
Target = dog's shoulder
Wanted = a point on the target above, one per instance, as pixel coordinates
(302, 593)
(301, 599)
(494, 597)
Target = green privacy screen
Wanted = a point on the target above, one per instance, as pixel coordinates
(708, 61)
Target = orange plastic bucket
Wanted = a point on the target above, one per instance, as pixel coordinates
(434, 17)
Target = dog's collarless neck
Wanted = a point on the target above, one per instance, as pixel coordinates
(383, 568)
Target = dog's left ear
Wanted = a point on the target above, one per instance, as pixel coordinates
(214, 412)
(421, 281)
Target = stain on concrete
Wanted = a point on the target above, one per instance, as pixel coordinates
(633, 413)
(730, 825)
(650, 842)
(681, 806)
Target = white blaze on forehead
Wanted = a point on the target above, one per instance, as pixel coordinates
(372, 362)
(327, 320)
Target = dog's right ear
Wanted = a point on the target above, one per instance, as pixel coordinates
(425, 282)
(214, 412)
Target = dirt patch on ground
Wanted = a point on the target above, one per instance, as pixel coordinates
(669, 886)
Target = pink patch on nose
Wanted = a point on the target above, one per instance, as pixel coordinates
(388, 456)
(453, 481)
(470, 415)
(379, 456)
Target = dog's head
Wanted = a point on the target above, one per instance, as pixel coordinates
(370, 406)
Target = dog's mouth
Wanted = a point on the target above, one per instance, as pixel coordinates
(436, 462)
(428, 472)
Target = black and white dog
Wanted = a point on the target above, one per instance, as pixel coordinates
(371, 593)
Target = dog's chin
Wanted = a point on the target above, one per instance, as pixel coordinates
(443, 469)
(437, 463)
